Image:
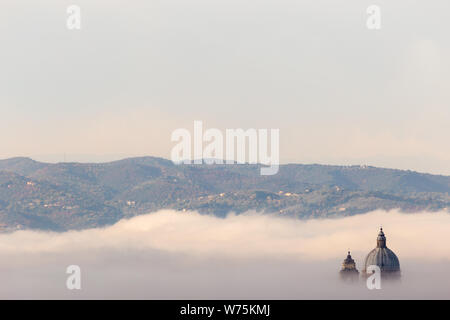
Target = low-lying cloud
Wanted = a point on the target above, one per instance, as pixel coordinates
(174, 255)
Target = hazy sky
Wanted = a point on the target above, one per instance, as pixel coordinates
(339, 92)
(173, 255)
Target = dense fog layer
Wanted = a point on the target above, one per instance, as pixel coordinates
(173, 255)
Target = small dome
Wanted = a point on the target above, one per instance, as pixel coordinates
(349, 259)
(348, 271)
(382, 256)
(349, 264)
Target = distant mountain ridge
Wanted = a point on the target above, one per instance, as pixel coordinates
(66, 196)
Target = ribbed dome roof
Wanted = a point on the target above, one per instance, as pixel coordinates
(382, 256)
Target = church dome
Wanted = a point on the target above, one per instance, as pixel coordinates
(349, 264)
(348, 271)
(382, 257)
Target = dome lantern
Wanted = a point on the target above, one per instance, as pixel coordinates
(381, 239)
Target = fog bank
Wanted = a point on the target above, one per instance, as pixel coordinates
(173, 255)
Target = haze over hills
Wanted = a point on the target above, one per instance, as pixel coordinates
(66, 196)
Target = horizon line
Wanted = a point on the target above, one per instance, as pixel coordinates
(224, 160)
